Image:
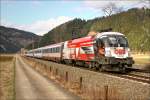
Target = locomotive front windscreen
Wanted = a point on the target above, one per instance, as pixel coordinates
(115, 41)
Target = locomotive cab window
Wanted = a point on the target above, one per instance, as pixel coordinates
(112, 41)
(100, 42)
(117, 41)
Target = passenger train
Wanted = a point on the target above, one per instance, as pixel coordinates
(105, 51)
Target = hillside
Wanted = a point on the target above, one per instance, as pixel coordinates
(134, 23)
(11, 40)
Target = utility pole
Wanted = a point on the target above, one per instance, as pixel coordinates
(74, 32)
(39, 42)
(32, 43)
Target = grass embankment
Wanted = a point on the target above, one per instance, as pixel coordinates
(7, 77)
(142, 60)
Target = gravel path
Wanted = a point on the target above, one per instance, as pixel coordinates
(30, 85)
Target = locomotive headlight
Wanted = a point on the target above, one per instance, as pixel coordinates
(129, 53)
(107, 52)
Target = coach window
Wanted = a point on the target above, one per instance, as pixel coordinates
(52, 50)
(45, 50)
(57, 49)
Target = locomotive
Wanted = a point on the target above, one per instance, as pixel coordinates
(107, 51)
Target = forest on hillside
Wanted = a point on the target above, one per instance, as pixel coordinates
(134, 23)
(12, 40)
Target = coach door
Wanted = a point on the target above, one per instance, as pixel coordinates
(61, 52)
(76, 53)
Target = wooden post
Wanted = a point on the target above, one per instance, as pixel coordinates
(81, 83)
(66, 77)
(106, 92)
(50, 69)
(56, 71)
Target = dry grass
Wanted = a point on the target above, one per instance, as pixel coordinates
(141, 58)
(4, 58)
(7, 78)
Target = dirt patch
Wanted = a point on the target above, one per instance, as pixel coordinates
(31, 85)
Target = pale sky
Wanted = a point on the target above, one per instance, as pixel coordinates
(40, 16)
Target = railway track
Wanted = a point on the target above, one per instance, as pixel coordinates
(144, 79)
(133, 74)
(138, 70)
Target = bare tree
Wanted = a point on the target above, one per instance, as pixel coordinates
(110, 9)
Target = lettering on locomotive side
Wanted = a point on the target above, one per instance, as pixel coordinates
(120, 51)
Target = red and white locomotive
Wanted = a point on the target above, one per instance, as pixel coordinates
(104, 51)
